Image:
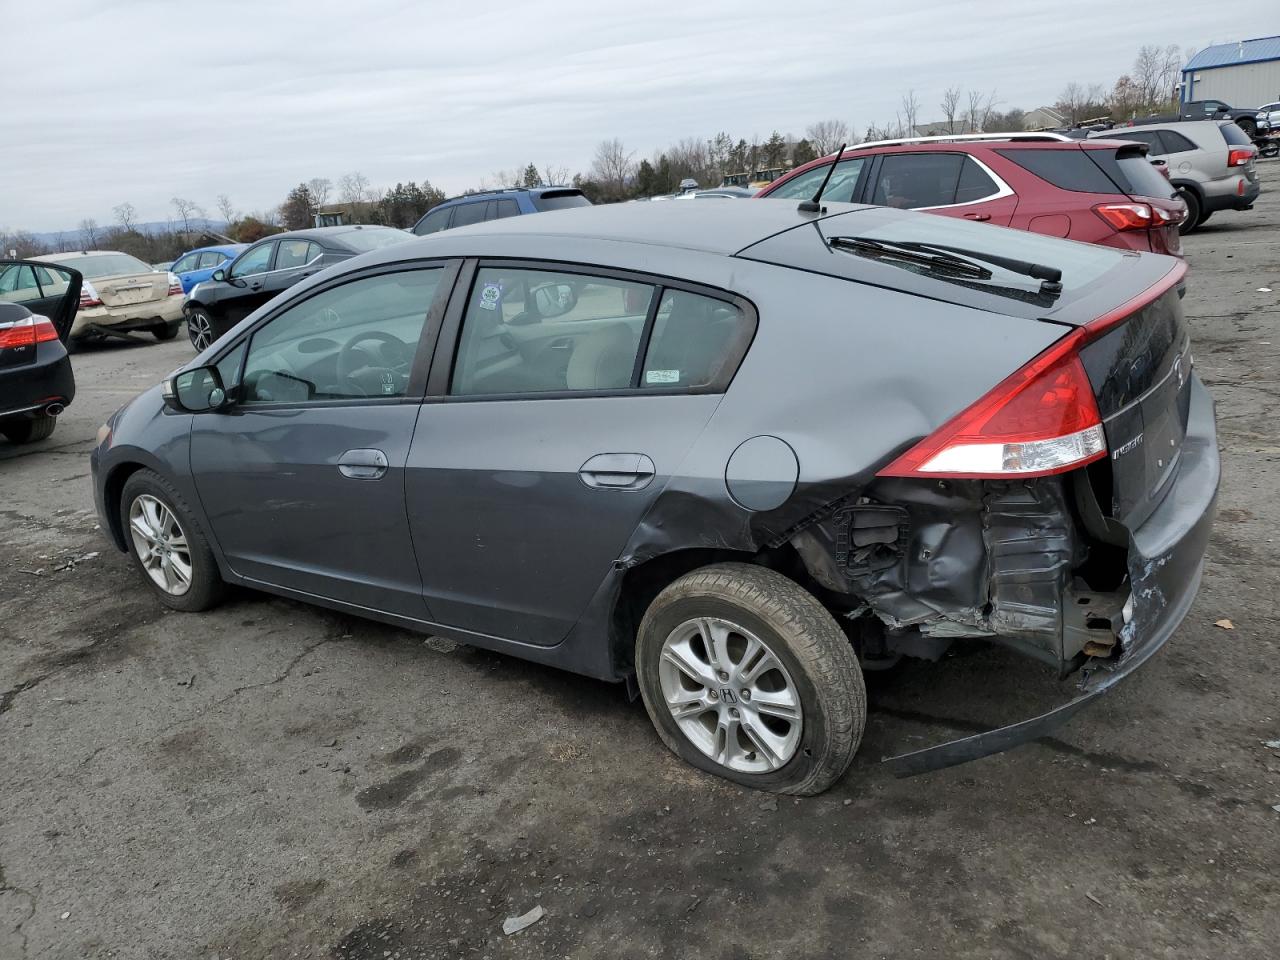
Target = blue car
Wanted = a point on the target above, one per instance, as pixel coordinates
(496, 205)
(198, 265)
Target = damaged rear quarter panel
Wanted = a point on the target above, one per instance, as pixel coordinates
(848, 375)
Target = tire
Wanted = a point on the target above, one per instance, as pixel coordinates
(30, 430)
(1194, 211)
(166, 331)
(818, 669)
(1249, 125)
(1204, 217)
(204, 586)
(200, 328)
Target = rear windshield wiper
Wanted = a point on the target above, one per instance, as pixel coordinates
(938, 260)
(1051, 277)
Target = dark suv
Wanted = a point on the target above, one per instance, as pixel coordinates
(269, 267)
(496, 205)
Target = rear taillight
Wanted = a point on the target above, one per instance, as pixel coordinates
(1041, 420)
(1240, 157)
(27, 332)
(1164, 217)
(1126, 216)
(175, 285)
(89, 296)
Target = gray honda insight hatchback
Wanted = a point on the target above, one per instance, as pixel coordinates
(730, 454)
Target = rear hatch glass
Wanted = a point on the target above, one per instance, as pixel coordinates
(560, 200)
(1141, 375)
(1232, 133)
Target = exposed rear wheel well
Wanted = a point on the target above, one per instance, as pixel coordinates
(643, 582)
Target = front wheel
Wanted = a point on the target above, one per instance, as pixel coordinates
(747, 676)
(167, 545)
(1192, 220)
(200, 328)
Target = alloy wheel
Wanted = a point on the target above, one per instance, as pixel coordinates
(161, 545)
(199, 331)
(730, 695)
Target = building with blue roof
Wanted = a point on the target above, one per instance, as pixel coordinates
(1244, 74)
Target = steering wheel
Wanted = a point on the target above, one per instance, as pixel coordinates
(385, 377)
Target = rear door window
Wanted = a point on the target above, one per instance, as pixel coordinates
(469, 213)
(1150, 137)
(913, 181)
(696, 339)
(296, 253)
(434, 222)
(841, 189)
(211, 258)
(975, 183)
(1174, 142)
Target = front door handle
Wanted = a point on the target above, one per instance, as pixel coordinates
(363, 464)
(617, 471)
(977, 216)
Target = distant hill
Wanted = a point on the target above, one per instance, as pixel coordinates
(73, 238)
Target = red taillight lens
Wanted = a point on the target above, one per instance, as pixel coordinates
(27, 332)
(1238, 158)
(89, 296)
(1125, 216)
(1041, 420)
(175, 285)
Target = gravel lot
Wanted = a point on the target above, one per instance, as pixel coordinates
(272, 780)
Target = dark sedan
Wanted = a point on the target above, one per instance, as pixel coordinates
(269, 267)
(732, 454)
(38, 303)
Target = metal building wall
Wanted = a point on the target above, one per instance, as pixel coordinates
(1240, 84)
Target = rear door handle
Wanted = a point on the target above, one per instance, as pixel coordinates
(977, 216)
(363, 464)
(617, 471)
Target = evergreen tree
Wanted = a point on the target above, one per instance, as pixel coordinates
(297, 208)
(803, 152)
(531, 177)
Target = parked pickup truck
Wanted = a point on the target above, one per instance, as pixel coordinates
(1208, 110)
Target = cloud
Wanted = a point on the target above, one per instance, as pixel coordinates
(142, 101)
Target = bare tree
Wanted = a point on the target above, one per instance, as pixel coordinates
(950, 107)
(556, 174)
(226, 209)
(186, 210)
(909, 113)
(1155, 70)
(89, 232)
(827, 135)
(979, 110)
(612, 165)
(354, 188)
(320, 188)
(125, 215)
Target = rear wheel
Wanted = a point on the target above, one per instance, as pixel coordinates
(1194, 211)
(200, 328)
(166, 331)
(167, 545)
(1249, 125)
(747, 676)
(30, 430)
(1204, 217)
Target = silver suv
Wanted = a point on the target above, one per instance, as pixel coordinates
(1210, 163)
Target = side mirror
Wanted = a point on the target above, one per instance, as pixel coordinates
(195, 391)
(554, 299)
(219, 274)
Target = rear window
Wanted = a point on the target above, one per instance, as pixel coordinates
(106, 265)
(373, 238)
(1066, 169)
(1141, 178)
(1232, 133)
(560, 200)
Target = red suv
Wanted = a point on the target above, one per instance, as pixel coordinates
(1098, 191)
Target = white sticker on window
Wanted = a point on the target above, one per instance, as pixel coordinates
(662, 376)
(490, 296)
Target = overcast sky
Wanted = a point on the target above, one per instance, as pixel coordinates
(142, 100)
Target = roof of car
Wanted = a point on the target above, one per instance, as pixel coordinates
(72, 254)
(507, 191)
(718, 228)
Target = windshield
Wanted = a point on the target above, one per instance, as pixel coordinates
(373, 238)
(560, 200)
(105, 265)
